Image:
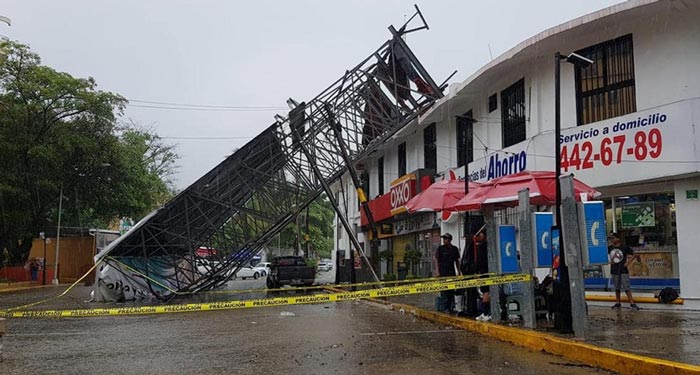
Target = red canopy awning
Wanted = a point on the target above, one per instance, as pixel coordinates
(503, 191)
(439, 195)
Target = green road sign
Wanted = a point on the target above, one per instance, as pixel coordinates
(638, 215)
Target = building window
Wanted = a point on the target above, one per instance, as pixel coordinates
(513, 113)
(647, 223)
(465, 139)
(493, 103)
(429, 148)
(402, 159)
(380, 176)
(606, 89)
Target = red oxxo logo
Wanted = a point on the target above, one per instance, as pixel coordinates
(402, 191)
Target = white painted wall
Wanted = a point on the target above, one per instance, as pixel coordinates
(446, 142)
(687, 217)
(666, 44)
(666, 40)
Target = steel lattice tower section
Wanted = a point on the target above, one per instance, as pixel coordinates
(241, 204)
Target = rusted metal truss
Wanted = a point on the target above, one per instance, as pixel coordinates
(244, 202)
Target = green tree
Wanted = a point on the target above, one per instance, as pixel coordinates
(150, 164)
(58, 132)
(243, 227)
(320, 233)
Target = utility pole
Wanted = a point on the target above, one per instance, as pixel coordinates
(297, 246)
(58, 237)
(306, 236)
(42, 235)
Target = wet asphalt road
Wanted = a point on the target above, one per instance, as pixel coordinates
(342, 338)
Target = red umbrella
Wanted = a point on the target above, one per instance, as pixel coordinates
(503, 191)
(439, 195)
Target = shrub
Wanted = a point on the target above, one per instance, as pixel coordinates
(386, 254)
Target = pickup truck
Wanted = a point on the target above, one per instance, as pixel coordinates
(290, 270)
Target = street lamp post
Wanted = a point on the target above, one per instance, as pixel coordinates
(566, 322)
(58, 237)
(42, 235)
(58, 231)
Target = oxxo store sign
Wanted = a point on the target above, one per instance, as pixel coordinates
(401, 191)
(393, 202)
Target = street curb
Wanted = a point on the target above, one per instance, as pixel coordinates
(20, 288)
(609, 359)
(599, 298)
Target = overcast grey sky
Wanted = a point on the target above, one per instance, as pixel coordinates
(256, 53)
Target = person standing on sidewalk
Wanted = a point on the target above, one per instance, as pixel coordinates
(620, 256)
(482, 267)
(34, 270)
(468, 267)
(447, 256)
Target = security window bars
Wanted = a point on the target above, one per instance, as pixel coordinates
(429, 148)
(513, 113)
(465, 139)
(402, 159)
(606, 89)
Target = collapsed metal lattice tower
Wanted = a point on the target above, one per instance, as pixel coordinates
(241, 204)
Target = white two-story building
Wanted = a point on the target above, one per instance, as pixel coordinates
(629, 129)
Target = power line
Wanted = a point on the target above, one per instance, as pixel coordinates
(486, 149)
(206, 105)
(207, 138)
(204, 109)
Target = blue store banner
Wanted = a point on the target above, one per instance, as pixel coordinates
(595, 247)
(543, 238)
(556, 240)
(508, 262)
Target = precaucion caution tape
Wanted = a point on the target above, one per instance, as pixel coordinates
(431, 287)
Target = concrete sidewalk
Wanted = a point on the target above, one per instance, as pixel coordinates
(21, 285)
(671, 335)
(653, 331)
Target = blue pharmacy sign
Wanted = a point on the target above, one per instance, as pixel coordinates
(595, 246)
(556, 238)
(543, 238)
(508, 259)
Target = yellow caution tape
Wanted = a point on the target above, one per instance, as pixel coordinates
(299, 288)
(241, 291)
(278, 301)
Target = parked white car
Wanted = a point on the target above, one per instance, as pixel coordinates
(263, 268)
(323, 266)
(247, 272)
